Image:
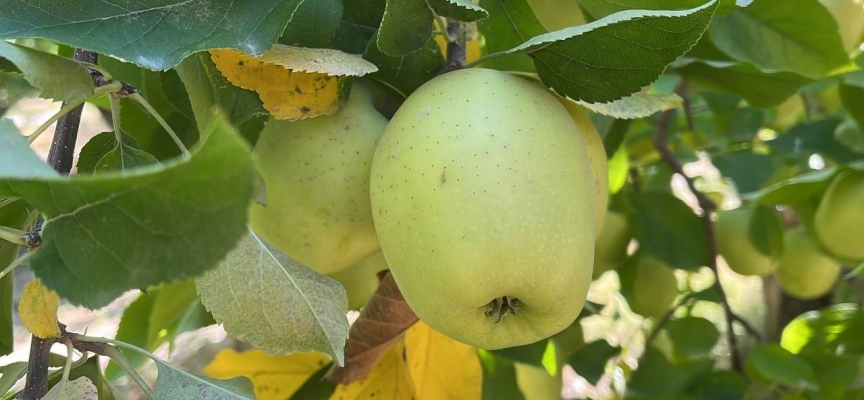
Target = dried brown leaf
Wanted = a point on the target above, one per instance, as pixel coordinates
(384, 318)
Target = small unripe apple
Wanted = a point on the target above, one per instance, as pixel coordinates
(316, 173)
(361, 280)
(803, 272)
(483, 200)
(597, 156)
(734, 244)
(535, 383)
(655, 288)
(610, 250)
(839, 219)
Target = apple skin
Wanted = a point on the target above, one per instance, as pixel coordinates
(597, 156)
(316, 173)
(481, 189)
(803, 272)
(610, 249)
(536, 383)
(361, 280)
(655, 288)
(839, 218)
(734, 244)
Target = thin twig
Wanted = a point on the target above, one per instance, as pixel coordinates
(661, 143)
(749, 328)
(456, 48)
(683, 91)
(658, 327)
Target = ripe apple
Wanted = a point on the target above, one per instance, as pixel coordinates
(483, 200)
(734, 244)
(361, 280)
(655, 288)
(803, 272)
(557, 14)
(849, 15)
(597, 155)
(610, 249)
(839, 219)
(316, 173)
(535, 383)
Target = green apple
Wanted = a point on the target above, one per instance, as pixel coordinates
(557, 14)
(849, 15)
(734, 244)
(535, 383)
(803, 272)
(654, 289)
(610, 249)
(597, 156)
(839, 219)
(361, 280)
(483, 200)
(316, 173)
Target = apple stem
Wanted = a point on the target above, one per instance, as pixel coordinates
(501, 307)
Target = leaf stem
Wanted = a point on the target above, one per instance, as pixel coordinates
(137, 97)
(121, 360)
(115, 119)
(484, 59)
(18, 261)
(66, 109)
(12, 235)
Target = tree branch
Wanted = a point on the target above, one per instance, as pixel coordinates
(456, 49)
(60, 157)
(661, 143)
(658, 327)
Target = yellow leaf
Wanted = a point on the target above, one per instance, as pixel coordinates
(294, 82)
(38, 310)
(274, 377)
(388, 380)
(440, 367)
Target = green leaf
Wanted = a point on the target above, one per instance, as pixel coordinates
(406, 73)
(693, 337)
(766, 231)
(207, 88)
(510, 23)
(836, 329)
(667, 229)
(113, 232)
(567, 61)
(360, 22)
(124, 158)
(725, 385)
(407, 24)
(18, 161)
(748, 171)
(314, 24)
(14, 87)
(11, 374)
(176, 309)
(600, 8)
(853, 101)
(590, 360)
(531, 354)
(769, 36)
(175, 383)
(657, 378)
(133, 329)
(849, 134)
(797, 189)
(803, 140)
(260, 293)
(59, 78)
(733, 122)
(779, 365)
(637, 105)
(316, 387)
(153, 34)
(499, 378)
(760, 89)
(98, 147)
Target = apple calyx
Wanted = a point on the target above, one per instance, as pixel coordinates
(503, 306)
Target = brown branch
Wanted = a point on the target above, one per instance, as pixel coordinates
(60, 157)
(683, 92)
(456, 49)
(661, 143)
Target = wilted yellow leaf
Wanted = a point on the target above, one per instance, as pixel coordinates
(274, 377)
(440, 367)
(294, 82)
(389, 379)
(38, 310)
